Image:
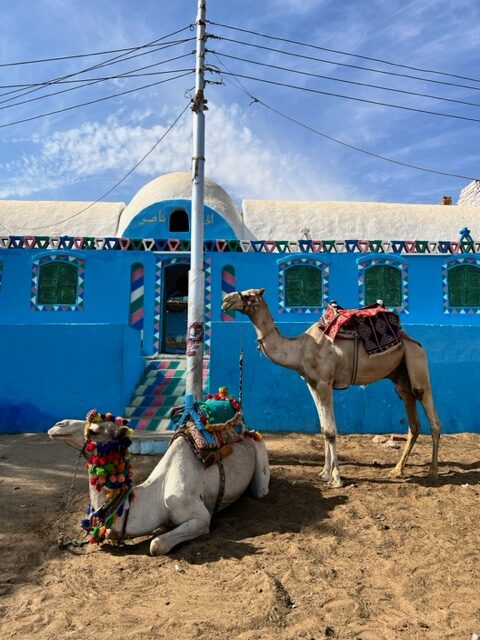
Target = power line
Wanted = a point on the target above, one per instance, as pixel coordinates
(339, 95)
(369, 153)
(87, 55)
(91, 81)
(361, 84)
(114, 60)
(28, 85)
(346, 144)
(345, 53)
(344, 64)
(83, 104)
(144, 157)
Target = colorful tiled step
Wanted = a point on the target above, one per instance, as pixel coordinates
(161, 388)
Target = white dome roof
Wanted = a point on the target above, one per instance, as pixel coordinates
(173, 186)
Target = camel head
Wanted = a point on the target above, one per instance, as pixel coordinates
(73, 432)
(244, 301)
(69, 431)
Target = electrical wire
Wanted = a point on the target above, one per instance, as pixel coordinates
(78, 55)
(85, 55)
(91, 81)
(114, 60)
(345, 53)
(89, 102)
(343, 64)
(340, 95)
(79, 80)
(343, 143)
(360, 84)
(369, 153)
(53, 81)
(142, 159)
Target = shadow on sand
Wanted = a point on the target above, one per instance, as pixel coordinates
(290, 506)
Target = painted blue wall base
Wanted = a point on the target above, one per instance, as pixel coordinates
(277, 399)
(56, 371)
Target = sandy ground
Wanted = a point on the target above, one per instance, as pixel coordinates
(377, 559)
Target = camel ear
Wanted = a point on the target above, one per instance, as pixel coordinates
(261, 292)
(94, 428)
(121, 432)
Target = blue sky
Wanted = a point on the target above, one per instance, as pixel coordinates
(252, 152)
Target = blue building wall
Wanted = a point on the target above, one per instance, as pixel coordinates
(56, 371)
(277, 399)
(61, 363)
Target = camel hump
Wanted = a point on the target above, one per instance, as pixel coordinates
(417, 366)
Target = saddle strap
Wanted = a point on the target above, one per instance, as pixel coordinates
(221, 487)
(355, 359)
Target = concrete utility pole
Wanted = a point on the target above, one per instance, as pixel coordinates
(196, 276)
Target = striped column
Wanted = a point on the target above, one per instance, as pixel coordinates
(228, 286)
(137, 296)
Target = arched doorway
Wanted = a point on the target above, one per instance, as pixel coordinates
(175, 303)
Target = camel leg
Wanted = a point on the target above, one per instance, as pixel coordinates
(326, 472)
(417, 367)
(405, 393)
(323, 397)
(435, 428)
(196, 523)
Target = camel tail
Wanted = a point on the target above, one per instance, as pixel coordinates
(417, 366)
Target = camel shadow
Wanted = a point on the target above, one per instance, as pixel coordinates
(290, 506)
(464, 474)
(451, 472)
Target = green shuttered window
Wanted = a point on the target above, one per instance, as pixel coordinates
(57, 283)
(464, 286)
(303, 287)
(383, 282)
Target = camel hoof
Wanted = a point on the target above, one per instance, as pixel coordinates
(336, 484)
(396, 473)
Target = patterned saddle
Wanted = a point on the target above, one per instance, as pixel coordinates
(211, 427)
(378, 328)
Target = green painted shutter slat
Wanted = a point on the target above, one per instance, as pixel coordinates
(464, 286)
(303, 287)
(57, 283)
(383, 282)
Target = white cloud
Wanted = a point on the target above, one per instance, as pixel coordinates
(245, 163)
(299, 6)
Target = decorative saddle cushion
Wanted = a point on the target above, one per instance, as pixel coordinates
(377, 327)
(211, 427)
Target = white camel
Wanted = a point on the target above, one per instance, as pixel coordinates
(180, 492)
(325, 365)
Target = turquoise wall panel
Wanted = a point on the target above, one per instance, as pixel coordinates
(60, 371)
(153, 222)
(277, 399)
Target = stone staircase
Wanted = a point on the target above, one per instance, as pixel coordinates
(160, 389)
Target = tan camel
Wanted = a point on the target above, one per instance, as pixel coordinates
(326, 365)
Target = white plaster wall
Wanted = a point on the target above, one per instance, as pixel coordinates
(281, 220)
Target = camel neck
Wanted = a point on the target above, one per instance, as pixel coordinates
(281, 350)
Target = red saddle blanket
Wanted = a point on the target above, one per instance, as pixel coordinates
(377, 327)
